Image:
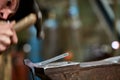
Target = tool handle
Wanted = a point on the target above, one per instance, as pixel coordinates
(26, 22)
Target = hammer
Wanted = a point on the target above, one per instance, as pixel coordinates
(26, 22)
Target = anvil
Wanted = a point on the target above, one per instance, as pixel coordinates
(106, 69)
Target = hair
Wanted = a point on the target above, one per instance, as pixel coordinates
(23, 9)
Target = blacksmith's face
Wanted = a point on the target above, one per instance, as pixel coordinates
(8, 8)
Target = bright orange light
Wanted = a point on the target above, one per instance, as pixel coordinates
(69, 57)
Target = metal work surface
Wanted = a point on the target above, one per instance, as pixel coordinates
(107, 69)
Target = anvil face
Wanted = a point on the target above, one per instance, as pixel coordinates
(107, 69)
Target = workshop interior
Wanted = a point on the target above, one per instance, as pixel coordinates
(88, 30)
